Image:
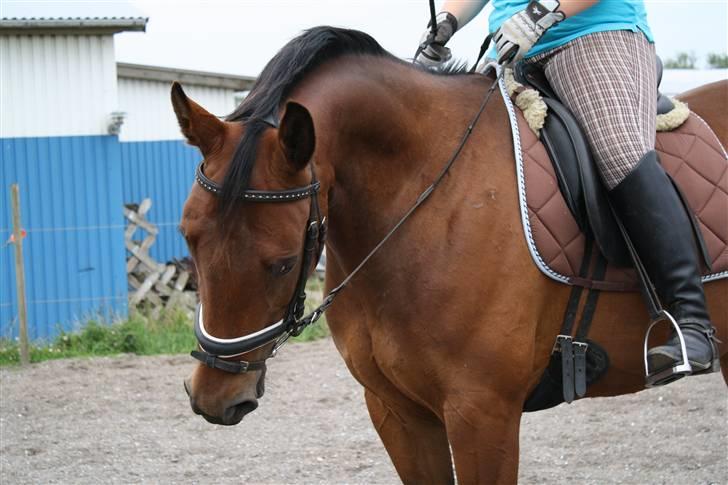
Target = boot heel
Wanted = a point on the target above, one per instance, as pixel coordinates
(714, 367)
(661, 377)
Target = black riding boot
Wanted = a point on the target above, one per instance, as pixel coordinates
(660, 229)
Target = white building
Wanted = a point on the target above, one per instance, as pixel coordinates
(83, 135)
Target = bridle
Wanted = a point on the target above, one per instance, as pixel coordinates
(216, 352)
(213, 350)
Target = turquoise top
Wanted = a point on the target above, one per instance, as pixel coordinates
(602, 16)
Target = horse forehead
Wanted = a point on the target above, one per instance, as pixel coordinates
(199, 204)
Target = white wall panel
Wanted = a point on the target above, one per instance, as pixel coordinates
(149, 114)
(675, 81)
(56, 85)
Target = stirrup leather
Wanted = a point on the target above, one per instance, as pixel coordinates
(670, 374)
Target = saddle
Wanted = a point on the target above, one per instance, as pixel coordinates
(566, 202)
(566, 217)
(578, 180)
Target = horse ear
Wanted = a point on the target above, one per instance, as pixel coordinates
(296, 135)
(202, 129)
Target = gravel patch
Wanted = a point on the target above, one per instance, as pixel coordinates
(127, 419)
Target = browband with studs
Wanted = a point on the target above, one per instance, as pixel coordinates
(287, 195)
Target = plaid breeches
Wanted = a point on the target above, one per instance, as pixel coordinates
(608, 81)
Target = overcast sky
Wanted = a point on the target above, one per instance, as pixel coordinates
(240, 36)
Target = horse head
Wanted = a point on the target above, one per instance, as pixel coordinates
(248, 255)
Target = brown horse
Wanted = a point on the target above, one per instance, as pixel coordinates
(450, 325)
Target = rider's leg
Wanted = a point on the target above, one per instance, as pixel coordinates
(660, 229)
(608, 80)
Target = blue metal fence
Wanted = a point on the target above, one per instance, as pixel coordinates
(72, 193)
(164, 172)
(71, 200)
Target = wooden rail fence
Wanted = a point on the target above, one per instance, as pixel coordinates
(153, 284)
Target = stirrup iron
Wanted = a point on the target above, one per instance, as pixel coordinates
(677, 371)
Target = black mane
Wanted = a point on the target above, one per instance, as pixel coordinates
(288, 67)
(295, 60)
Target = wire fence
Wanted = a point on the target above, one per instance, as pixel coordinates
(75, 273)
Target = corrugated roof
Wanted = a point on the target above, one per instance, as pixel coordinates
(72, 25)
(184, 76)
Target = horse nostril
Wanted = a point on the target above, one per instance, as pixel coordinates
(234, 414)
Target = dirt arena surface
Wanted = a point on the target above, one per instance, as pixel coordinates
(127, 420)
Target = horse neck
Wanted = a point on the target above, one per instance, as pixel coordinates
(384, 130)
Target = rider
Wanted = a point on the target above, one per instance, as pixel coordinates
(599, 58)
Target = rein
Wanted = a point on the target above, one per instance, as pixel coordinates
(213, 351)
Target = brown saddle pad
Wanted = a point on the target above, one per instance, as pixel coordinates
(691, 154)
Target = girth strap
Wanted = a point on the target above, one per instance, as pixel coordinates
(574, 349)
(587, 316)
(564, 341)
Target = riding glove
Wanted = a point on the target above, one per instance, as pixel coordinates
(519, 33)
(432, 51)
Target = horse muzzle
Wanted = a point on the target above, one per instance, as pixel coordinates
(225, 411)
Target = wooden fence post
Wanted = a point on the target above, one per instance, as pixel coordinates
(20, 275)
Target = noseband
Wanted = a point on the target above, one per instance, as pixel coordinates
(214, 351)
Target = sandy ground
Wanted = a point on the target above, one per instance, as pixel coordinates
(127, 420)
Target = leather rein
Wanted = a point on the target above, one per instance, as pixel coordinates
(223, 354)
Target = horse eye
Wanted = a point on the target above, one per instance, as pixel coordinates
(284, 266)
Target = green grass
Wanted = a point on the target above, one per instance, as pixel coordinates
(170, 333)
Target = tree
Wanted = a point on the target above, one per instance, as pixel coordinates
(684, 60)
(718, 61)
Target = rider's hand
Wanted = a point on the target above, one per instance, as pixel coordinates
(519, 33)
(432, 51)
